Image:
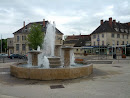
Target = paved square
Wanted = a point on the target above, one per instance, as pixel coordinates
(107, 81)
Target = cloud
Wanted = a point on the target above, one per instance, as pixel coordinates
(71, 16)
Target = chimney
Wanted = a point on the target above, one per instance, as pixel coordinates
(101, 22)
(43, 22)
(24, 24)
(110, 21)
(129, 24)
(114, 21)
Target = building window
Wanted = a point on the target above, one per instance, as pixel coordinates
(29, 48)
(98, 35)
(23, 47)
(127, 42)
(113, 43)
(17, 47)
(94, 43)
(94, 36)
(17, 38)
(102, 35)
(123, 43)
(76, 49)
(118, 35)
(61, 41)
(123, 36)
(98, 43)
(102, 43)
(127, 36)
(117, 42)
(11, 52)
(112, 35)
(23, 37)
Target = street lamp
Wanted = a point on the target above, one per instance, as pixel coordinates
(98, 39)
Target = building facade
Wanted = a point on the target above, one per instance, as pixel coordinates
(111, 33)
(20, 43)
(78, 42)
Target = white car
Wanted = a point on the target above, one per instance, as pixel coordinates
(3, 55)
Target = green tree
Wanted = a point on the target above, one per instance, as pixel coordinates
(4, 45)
(35, 37)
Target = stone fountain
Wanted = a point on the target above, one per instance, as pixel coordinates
(44, 65)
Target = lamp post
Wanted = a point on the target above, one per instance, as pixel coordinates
(107, 50)
(1, 43)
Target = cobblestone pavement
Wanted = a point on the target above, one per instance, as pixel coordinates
(107, 81)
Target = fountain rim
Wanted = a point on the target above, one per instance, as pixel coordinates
(37, 67)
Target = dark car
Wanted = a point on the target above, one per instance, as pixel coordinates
(15, 56)
(25, 56)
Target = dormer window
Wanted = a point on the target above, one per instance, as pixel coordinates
(122, 30)
(126, 30)
(117, 29)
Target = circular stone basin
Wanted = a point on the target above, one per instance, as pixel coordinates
(50, 73)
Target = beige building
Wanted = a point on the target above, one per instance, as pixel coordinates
(21, 44)
(111, 33)
(10, 46)
(78, 42)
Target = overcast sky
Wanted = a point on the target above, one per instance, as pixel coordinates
(70, 16)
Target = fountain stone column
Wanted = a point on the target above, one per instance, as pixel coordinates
(34, 55)
(66, 55)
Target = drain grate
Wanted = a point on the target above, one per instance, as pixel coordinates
(56, 86)
(117, 66)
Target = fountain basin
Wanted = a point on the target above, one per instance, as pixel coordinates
(51, 73)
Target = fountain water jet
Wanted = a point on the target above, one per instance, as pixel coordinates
(49, 41)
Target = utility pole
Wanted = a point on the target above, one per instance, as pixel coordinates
(1, 43)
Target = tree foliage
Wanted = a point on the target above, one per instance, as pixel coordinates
(4, 45)
(35, 37)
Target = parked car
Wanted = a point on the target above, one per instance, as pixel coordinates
(3, 55)
(15, 56)
(25, 56)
